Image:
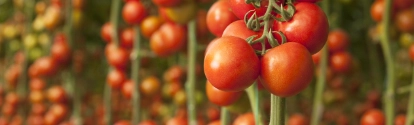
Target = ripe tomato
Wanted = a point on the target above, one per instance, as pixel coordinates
(219, 17)
(127, 38)
(373, 117)
(293, 66)
(12, 98)
(213, 114)
(402, 4)
(19, 57)
(181, 14)
(35, 120)
(309, 27)
(400, 120)
(316, 57)
(377, 9)
(240, 8)
(106, 32)
(150, 86)
(149, 25)
(238, 29)
(36, 96)
(59, 110)
(216, 122)
(341, 62)
(312, 1)
(167, 3)
(168, 39)
(38, 109)
(8, 109)
(118, 57)
(245, 119)
(57, 94)
(123, 122)
(411, 51)
(134, 12)
(170, 89)
(127, 88)
(77, 4)
(174, 73)
(338, 40)
(230, 64)
(51, 119)
(202, 29)
(148, 122)
(221, 98)
(405, 20)
(60, 50)
(12, 75)
(116, 78)
(45, 66)
(298, 119)
(40, 7)
(177, 121)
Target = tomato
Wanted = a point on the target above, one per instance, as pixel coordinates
(123, 122)
(40, 7)
(221, 98)
(338, 40)
(402, 4)
(309, 27)
(37, 84)
(169, 90)
(12, 98)
(127, 89)
(149, 25)
(127, 38)
(341, 62)
(293, 66)
(312, 1)
(116, 78)
(181, 14)
(51, 119)
(316, 57)
(77, 4)
(8, 109)
(106, 32)
(411, 51)
(167, 3)
(118, 58)
(60, 50)
(45, 66)
(400, 120)
(52, 16)
(175, 73)
(35, 120)
(12, 75)
(150, 86)
(59, 110)
(240, 8)
(230, 64)
(377, 9)
(245, 119)
(180, 98)
(216, 122)
(213, 113)
(147, 122)
(177, 121)
(202, 29)
(373, 117)
(38, 109)
(57, 94)
(19, 57)
(219, 17)
(298, 119)
(36, 96)
(239, 29)
(405, 20)
(134, 12)
(168, 39)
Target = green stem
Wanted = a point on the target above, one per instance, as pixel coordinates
(107, 103)
(320, 86)
(224, 116)
(390, 78)
(191, 77)
(136, 60)
(410, 110)
(277, 110)
(253, 93)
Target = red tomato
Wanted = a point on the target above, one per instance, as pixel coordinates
(45, 66)
(213, 114)
(60, 50)
(8, 109)
(221, 98)
(12, 75)
(59, 110)
(35, 120)
(245, 119)
(116, 78)
(405, 20)
(149, 25)
(118, 58)
(168, 39)
(202, 29)
(175, 73)
(123, 122)
(127, 89)
(36, 96)
(400, 120)
(38, 109)
(12, 98)
(177, 121)
(148, 122)
(57, 94)
(150, 86)
(309, 27)
(19, 57)
(127, 38)
(167, 3)
(411, 51)
(373, 117)
(298, 119)
(402, 4)
(240, 8)
(338, 40)
(316, 57)
(134, 12)
(239, 29)
(312, 1)
(341, 62)
(230, 64)
(377, 9)
(293, 66)
(51, 119)
(217, 122)
(106, 32)
(219, 17)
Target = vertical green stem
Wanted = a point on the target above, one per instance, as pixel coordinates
(224, 116)
(277, 110)
(107, 103)
(253, 94)
(191, 75)
(273, 110)
(410, 110)
(390, 78)
(136, 60)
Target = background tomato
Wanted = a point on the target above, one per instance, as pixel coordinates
(219, 17)
(134, 12)
(298, 119)
(150, 24)
(57, 94)
(116, 78)
(168, 39)
(167, 3)
(373, 117)
(341, 62)
(377, 10)
(118, 58)
(181, 14)
(245, 119)
(405, 20)
(338, 40)
(127, 38)
(150, 86)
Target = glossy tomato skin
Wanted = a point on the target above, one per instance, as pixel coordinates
(116, 78)
(118, 58)
(219, 17)
(230, 64)
(239, 29)
(221, 98)
(127, 38)
(373, 117)
(245, 119)
(134, 12)
(293, 66)
(341, 62)
(338, 40)
(405, 20)
(377, 9)
(309, 27)
(167, 3)
(168, 39)
(149, 25)
(298, 119)
(240, 8)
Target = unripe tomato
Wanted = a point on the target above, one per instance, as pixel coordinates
(40, 7)
(116, 78)
(245, 119)
(134, 12)
(60, 50)
(341, 62)
(338, 40)
(168, 39)
(127, 38)
(293, 66)
(182, 14)
(30, 41)
(309, 27)
(149, 25)
(118, 57)
(221, 98)
(150, 86)
(373, 117)
(170, 89)
(57, 94)
(219, 17)
(298, 119)
(405, 20)
(167, 3)
(230, 64)
(180, 98)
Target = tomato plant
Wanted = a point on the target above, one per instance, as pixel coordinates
(373, 117)
(57, 94)
(219, 97)
(150, 86)
(134, 12)
(341, 62)
(168, 39)
(338, 40)
(116, 78)
(150, 24)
